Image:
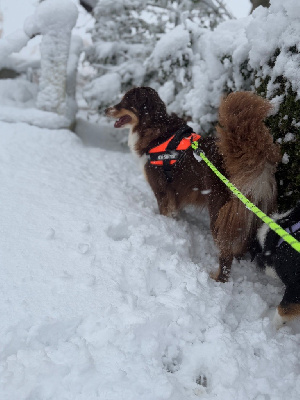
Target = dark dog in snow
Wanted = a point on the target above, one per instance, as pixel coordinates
(279, 259)
(243, 151)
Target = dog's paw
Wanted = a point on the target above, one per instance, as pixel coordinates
(214, 275)
(202, 386)
(278, 320)
(169, 213)
(218, 276)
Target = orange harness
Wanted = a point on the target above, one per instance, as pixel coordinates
(170, 151)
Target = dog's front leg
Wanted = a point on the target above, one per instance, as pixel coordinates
(164, 193)
(167, 203)
(223, 273)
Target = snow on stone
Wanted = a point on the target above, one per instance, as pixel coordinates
(56, 16)
(12, 43)
(103, 298)
(54, 19)
(71, 82)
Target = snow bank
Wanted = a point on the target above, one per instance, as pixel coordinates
(33, 116)
(102, 298)
(17, 93)
(18, 100)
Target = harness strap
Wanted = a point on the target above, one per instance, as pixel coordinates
(168, 170)
(181, 133)
(167, 153)
(294, 228)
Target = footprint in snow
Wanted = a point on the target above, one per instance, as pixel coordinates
(50, 234)
(83, 248)
(172, 359)
(202, 381)
(202, 386)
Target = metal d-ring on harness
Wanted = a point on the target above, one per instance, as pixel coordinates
(170, 151)
(284, 234)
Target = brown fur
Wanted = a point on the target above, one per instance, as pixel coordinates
(289, 311)
(243, 151)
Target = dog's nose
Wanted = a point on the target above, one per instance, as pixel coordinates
(108, 110)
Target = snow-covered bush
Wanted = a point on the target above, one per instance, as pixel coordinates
(196, 65)
(125, 35)
(120, 47)
(261, 53)
(277, 62)
(171, 64)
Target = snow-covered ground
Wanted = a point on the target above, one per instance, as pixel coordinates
(103, 298)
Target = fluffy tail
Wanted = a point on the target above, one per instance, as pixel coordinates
(250, 159)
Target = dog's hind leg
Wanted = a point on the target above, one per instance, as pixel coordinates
(231, 231)
(289, 308)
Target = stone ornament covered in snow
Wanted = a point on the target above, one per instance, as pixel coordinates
(54, 19)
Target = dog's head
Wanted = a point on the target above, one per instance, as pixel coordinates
(139, 106)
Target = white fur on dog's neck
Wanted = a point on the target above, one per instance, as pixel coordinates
(262, 234)
(132, 141)
(264, 229)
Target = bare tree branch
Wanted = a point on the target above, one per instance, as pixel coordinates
(88, 5)
(257, 3)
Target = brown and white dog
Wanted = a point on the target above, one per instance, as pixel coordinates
(243, 151)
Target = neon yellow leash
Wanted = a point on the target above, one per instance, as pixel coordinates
(267, 220)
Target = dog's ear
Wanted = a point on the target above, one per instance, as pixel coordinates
(149, 102)
(142, 99)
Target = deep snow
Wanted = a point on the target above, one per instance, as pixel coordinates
(102, 298)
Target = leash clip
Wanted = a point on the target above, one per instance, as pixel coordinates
(197, 150)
